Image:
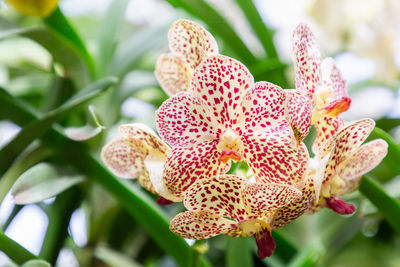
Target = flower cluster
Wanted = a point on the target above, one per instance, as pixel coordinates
(217, 114)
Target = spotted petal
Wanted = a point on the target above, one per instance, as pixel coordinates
(260, 199)
(185, 166)
(307, 60)
(220, 194)
(367, 157)
(274, 159)
(326, 128)
(124, 157)
(191, 41)
(200, 224)
(185, 120)
(221, 81)
(337, 100)
(172, 73)
(144, 134)
(346, 142)
(263, 109)
(298, 113)
(296, 208)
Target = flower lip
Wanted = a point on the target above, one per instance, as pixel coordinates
(338, 106)
(339, 206)
(230, 146)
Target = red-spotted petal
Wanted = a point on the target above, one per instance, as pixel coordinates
(221, 81)
(124, 157)
(191, 41)
(333, 85)
(307, 60)
(185, 166)
(186, 120)
(200, 224)
(220, 194)
(298, 113)
(172, 73)
(259, 199)
(263, 109)
(145, 135)
(326, 128)
(295, 208)
(274, 158)
(346, 142)
(367, 157)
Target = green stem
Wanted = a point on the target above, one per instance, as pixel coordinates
(15, 251)
(16, 209)
(238, 252)
(59, 217)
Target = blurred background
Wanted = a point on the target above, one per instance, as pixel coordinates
(125, 38)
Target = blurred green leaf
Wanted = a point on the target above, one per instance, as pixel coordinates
(264, 34)
(41, 182)
(36, 263)
(38, 127)
(130, 51)
(62, 51)
(308, 256)
(387, 205)
(113, 258)
(110, 26)
(26, 160)
(393, 157)
(59, 23)
(15, 251)
(238, 252)
(218, 25)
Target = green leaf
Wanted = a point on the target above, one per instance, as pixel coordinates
(132, 50)
(36, 263)
(62, 51)
(15, 251)
(238, 252)
(218, 25)
(110, 26)
(57, 22)
(264, 34)
(26, 160)
(393, 157)
(114, 258)
(41, 182)
(387, 205)
(38, 127)
(139, 205)
(309, 256)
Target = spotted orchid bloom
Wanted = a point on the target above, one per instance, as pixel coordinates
(190, 44)
(135, 155)
(323, 83)
(342, 163)
(235, 207)
(226, 116)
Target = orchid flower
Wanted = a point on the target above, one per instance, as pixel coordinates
(323, 83)
(127, 156)
(233, 206)
(342, 163)
(225, 116)
(190, 44)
